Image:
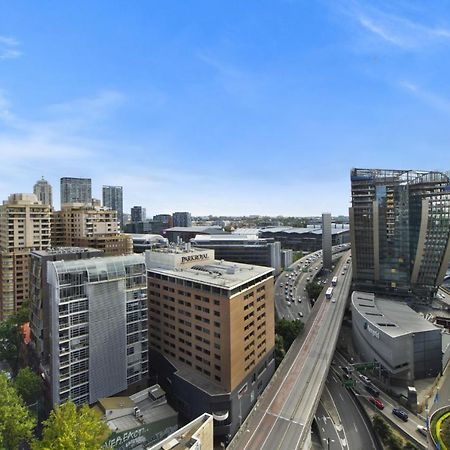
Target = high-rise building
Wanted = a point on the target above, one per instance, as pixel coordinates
(43, 191)
(165, 219)
(113, 199)
(76, 190)
(137, 214)
(80, 225)
(326, 241)
(211, 332)
(400, 230)
(182, 219)
(98, 327)
(39, 292)
(24, 226)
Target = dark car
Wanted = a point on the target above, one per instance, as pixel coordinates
(400, 413)
(346, 370)
(372, 390)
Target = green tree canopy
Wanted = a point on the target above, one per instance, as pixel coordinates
(313, 289)
(16, 422)
(279, 349)
(288, 330)
(28, 385)
(69, 428)
(11, 336)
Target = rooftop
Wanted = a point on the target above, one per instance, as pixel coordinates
(247, 231)
(198, 229)
(393, 317)
(99, 268)
(198, 265)
(151, 409)
(64, 250)
(338, 229)
(185, 438)
(116, 402)
(228, 237)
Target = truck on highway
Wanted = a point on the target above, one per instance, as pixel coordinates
(329, 293)
(334, 281)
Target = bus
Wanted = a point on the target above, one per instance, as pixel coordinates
(334, 281)
(329, 293)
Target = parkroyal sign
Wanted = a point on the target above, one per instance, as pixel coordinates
(198, 257)
(374, 333)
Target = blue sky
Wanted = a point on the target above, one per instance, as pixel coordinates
(222, 107)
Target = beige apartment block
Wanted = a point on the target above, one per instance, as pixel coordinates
(81, 225)
(211, 331)
(24, 226)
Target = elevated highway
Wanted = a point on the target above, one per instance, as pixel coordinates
(301, 272)
(281, 419)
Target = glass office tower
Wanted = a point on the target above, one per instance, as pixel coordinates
(113, 198)
(400, 228)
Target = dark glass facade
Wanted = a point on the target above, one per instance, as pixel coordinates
(400, 227)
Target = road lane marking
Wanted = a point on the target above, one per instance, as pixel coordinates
(317, 319)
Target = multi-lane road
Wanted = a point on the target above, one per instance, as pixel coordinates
(287, 306)
(297, 306)
(352, 429)
(354, 421)
(281, 419)
(409, 428)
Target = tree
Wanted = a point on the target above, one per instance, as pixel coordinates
(11, 336)
(16, 422)
(383, 430)
(22, 315)
(288, 330)
(69, 428)
(313, 289)
(381, 427)
(297, 255)
(28, 385)
(279, 349)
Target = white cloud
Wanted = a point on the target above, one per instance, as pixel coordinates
(432, 99)
(9, 48)
(395, 28)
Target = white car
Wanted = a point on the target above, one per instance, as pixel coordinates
(422, 429)
(281, 284)
(333, 300)
(364, 379)
(289, 303)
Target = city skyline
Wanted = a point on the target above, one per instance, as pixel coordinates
(249, 106)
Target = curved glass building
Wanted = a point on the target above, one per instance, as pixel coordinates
(400, 230)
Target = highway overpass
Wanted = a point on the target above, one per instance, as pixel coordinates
(282, 417)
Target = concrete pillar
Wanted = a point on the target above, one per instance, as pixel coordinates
(326, 241)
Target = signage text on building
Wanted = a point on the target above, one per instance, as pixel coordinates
(374, 333)
(202, 256)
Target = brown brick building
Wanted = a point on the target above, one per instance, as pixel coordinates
(24, 226)
(80, 225)
(211, 332)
